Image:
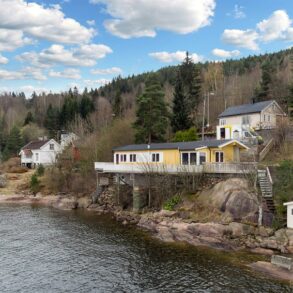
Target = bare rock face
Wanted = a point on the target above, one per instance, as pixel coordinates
(232, 197)
(3, 181)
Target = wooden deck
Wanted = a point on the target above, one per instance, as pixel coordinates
(212, 168)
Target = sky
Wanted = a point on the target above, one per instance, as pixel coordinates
(52, 45)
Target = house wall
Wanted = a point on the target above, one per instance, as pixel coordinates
(173, 157)
(289, 216)
(237, 120)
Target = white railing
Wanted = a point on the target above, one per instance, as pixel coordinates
(219, 168)
(269, 176)
(266, 149)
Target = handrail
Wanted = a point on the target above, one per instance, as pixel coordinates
(269, 176)
(266, 149)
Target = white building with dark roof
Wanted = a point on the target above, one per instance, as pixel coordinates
(240, 121)
(40, 152)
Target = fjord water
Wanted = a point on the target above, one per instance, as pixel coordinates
(46, 250)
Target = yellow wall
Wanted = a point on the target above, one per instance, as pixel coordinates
(173, 157)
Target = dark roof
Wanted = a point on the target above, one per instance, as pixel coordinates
(245, 109)
(188, 145)
(35, 145)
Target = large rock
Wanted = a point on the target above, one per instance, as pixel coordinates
(3, 181)
(233, 197)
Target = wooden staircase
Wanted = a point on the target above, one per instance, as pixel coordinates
(266, 186)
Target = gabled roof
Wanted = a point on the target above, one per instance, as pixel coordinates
(182, 146)
(35, 144)
(246, 109)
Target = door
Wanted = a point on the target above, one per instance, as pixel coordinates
(117, 159)
(223, 133)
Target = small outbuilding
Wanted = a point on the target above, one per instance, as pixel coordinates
(289, 214)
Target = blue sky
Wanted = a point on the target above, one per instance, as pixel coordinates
(53, 45)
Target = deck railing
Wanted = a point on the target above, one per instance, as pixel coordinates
(218, 168)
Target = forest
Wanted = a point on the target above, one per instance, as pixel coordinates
(166, 105)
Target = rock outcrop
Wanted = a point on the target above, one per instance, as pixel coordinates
(3, 181)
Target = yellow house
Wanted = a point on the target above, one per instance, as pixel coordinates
(180, 153)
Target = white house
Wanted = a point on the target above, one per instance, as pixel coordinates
(240, 121)
(40, 152)
(289, 214)
(67, 138)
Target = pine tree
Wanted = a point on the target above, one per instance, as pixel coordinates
(29, 118)
(265, 91)
(13, 144)
(117, 107)
(51, 121)
(152, 114)
(86, 105)
(180, 118)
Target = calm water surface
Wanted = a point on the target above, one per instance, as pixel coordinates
(45, 250)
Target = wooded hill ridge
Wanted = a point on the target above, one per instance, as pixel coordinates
(232, 82)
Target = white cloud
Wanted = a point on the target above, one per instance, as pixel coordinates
(12, 39)
(275, 26)
(85, 55)
(289, 35)
(3, 60)
(70, 73)
(91, 22)
(241, 38)
(107, 71)
(178, 56)
(97, 82)
(29, 89)
(142, 18)
(238, 12)
(25, 73)
(42, 22)
(225, 54)
(11, 75)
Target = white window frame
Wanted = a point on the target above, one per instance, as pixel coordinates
(37, 157)
(219, 156)
(132, 158)
(123, 158)
(155, 157)
(189, 158)
(223, 122)
(202, 154)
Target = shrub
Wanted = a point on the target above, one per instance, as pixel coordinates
(186, 135)
(34, 184)
(40, 170)
(171, 203)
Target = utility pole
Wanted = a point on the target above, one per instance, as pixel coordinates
(203, 118)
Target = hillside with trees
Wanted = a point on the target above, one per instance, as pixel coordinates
(154, 105)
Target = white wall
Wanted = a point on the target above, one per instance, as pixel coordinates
(290, 216)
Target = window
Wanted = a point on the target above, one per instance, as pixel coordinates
(264, 117)
(185, 158)
(222, 122)
(37, 156)
(202, 158)
(219, 157)
(292, 212)
(155, 157)
(269, 118)
(123, 158)
(51, 147)
(133, 158)
(246, 119)
(193, 158)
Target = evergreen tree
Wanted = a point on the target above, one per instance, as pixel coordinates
(14, 143)
(180, 118)
(29, 118)
(265, 91)
(117, 107)
(152, 114)
(86, 105)
(51, 121)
